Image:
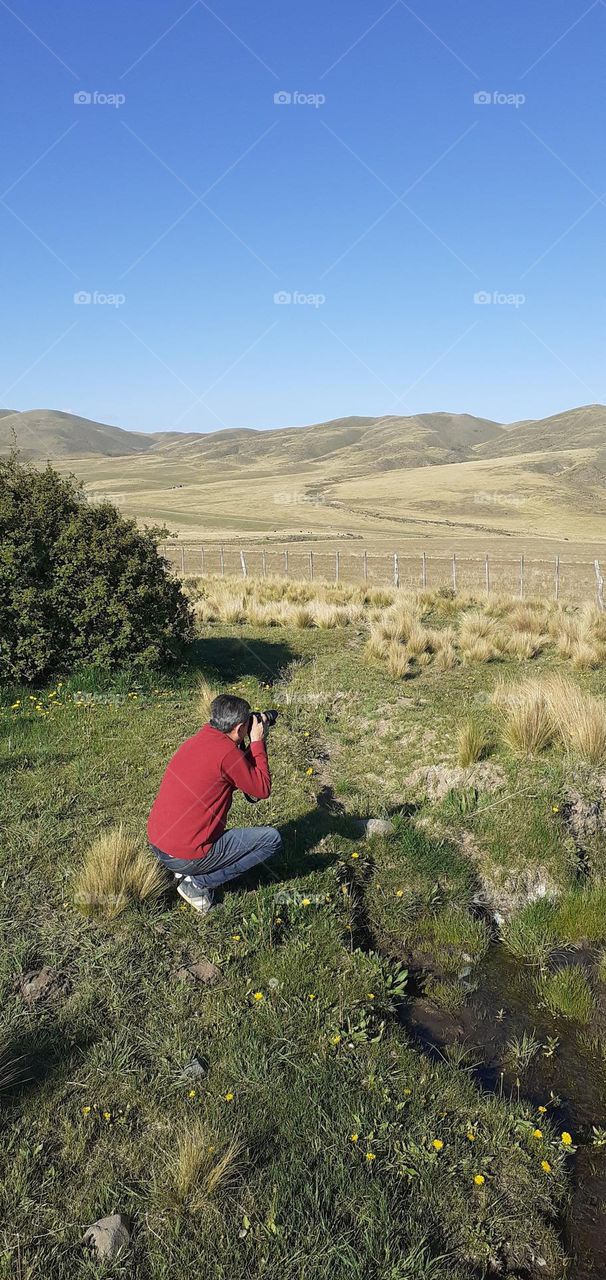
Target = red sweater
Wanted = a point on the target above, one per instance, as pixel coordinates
(190, 810)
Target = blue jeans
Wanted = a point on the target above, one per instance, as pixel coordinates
(233, 853)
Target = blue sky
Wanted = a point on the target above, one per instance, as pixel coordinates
(181, 198)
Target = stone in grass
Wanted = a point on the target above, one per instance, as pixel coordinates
(108, 1237)
(369, 827)
(203, 971)
(39, 984)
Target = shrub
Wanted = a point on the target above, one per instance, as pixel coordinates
(79, 584)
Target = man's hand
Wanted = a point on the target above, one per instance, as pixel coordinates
(257, 732)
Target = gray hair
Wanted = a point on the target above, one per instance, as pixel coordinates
(227, 711)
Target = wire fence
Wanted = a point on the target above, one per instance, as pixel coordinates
(571, 581)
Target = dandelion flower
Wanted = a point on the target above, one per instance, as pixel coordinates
(555, 808)
(229, 1097)
(16, 704)
(545, 1165)
(407, 1091)
(335, 1039)
(235, 937)
(353, 1137)
(542, 1111)
(479, 1179)
(306, 902)
(86, 1111)
(257, 995)
(437, 1144)
(306, 734)
(192, 1093)
(370, 1155)
(537, 1133)
(309, 771)
(355, 855)
(566, 1139)
(278, 920)
(107, 1115)
(399, 893)
(371, 995)
(311, 996)
(471, 1136)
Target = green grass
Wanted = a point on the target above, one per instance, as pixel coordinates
(567, 993)
(267, 1182)
(579, 915)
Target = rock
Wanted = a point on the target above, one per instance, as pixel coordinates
(194, 1069)
(39, 984)
(507, 895)
(199, 971)
(108, 1237)
(369, 827)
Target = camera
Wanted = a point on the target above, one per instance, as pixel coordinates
(270, 718)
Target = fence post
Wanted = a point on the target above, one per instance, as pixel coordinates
(202, 560)
(243, 563)
(337, 566)
(424, 570)
(454, 574)
(599, 584)
(522, 576)
(396, 570)
(487, 574)
(264, 563)
(286, 563)
(182, 559)
(365, 563)
(311, 566)
(557, 578)
(222, 559)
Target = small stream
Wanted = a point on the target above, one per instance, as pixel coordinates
(504, 1006)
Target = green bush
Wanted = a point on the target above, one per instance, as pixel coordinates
(79, 584)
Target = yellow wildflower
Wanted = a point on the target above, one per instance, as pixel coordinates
(309, 771)
(306, 902)
(355, 855)
(353, 1137)
(86, 1111)
(437, 1144)
(16, 704)
(472, 1137)
(399, 893)
(542, 1111)
(311, 996)
(257, 995)
(107, 1115)
(229, 1097)
(370, 1155)
(479, 1179)
(566, 1139)
(335, 1039)
(537, 1133)
(371, 995)
(545, 1165)
(235, 937)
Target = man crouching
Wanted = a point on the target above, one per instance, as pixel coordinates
(186, 826)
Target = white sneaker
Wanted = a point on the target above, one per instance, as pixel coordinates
(200, 899)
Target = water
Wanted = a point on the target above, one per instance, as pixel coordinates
(505, 1006)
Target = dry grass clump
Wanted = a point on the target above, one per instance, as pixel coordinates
(524, 645)
(527, 723)
(116, 871)
(579, 718)
(447, 658)
(196, 1172)
(537, 713)
(205, 692)
(472, 743)
(398, 660)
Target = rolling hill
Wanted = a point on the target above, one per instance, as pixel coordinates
(433, 476)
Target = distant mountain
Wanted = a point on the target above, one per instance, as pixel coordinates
(582, 428)
(49, 433)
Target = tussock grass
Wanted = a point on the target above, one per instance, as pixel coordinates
(195, 1172)
(116, 872)
(579, 718)
(205, 693)
(567, 993)
(530, 936)
(527, 721)
(398, 660)
(472, 743)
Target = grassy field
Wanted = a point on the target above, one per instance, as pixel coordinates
(280, 1119)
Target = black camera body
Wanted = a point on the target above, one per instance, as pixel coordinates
(270, 718)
